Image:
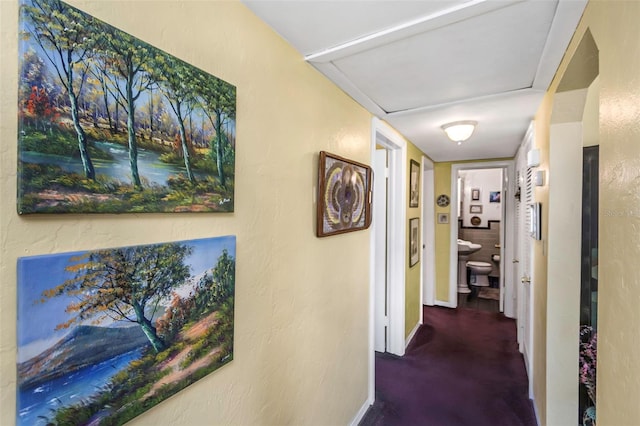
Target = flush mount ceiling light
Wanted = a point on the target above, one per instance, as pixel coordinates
(459, 131)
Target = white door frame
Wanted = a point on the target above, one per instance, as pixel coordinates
(383, 135)
(524, 266)
(428, 275)
(563, 254)
(518, 239)
(506, 248)
(380, 210)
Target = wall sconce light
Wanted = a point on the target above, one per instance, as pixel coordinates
(533, 158)
(459, 131)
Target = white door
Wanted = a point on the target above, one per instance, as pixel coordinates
(523, 260)
(380, 172)
(517, 238)
(504, 181)
(428, 235)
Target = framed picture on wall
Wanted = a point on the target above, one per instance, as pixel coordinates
(344, 195)
(535, 227)
(443, 218)
(77, 154)
(98, 328)
(414, 241)
(475, 208)
(414, 184)
(494, 197)
(475, 194)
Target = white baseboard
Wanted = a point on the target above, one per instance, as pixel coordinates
(446, 304)
(360, 414)
(535, 411)
(410, 336)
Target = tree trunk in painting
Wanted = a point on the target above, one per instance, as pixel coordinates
(219, 150)
(131, 131)
(87, 165)
(185, 148)
(148, 329)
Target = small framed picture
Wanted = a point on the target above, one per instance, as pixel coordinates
(475, 194)
(414, 241)
(475, 208)
(443, 218)
(414, 184)
(535, 227)
(494, 197)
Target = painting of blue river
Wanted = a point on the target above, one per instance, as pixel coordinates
(136, 339)
(151, 169)
(87, 93)
(37, 405)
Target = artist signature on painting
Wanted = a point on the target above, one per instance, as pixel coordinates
(224, 201)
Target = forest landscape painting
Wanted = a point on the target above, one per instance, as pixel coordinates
(105, 335)
(110, 124)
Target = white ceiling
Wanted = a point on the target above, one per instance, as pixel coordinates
(422, 63)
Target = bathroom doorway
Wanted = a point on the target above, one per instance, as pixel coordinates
(483, 208)
(480, 214)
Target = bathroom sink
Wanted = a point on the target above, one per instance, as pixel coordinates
(467, 247)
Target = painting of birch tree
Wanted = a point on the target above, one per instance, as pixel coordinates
(110, 124)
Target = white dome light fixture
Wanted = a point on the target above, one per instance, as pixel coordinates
(459, 131)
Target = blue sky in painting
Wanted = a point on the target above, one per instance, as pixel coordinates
(37, 321)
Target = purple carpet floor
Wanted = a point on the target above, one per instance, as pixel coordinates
(461, 368)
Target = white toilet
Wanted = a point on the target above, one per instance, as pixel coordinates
(479, 273)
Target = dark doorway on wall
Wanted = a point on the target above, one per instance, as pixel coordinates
(589, 268)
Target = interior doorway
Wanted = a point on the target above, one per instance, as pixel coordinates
(381, 261)
(480, 214)
(470, 201)
(428, 276)
(387, 293)
(574, 125)
(523, 257)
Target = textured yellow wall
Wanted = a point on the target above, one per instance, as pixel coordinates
(301, 302)
(442, 184)
(412, 301)
(616, 34)
(539, 285)
(615, 29)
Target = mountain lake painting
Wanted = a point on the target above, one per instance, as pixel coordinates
(105, 335)
(110, 124)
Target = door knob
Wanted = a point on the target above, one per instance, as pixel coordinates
(525, 280)
(515, 261)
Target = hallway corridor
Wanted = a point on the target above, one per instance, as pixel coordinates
(462, 368)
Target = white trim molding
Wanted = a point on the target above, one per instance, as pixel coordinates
(410, 336)
(397, 229)
(361, 413)
(428, 273)
(384, 135)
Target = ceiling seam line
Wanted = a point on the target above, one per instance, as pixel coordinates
(400, 27)
(416, 110)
